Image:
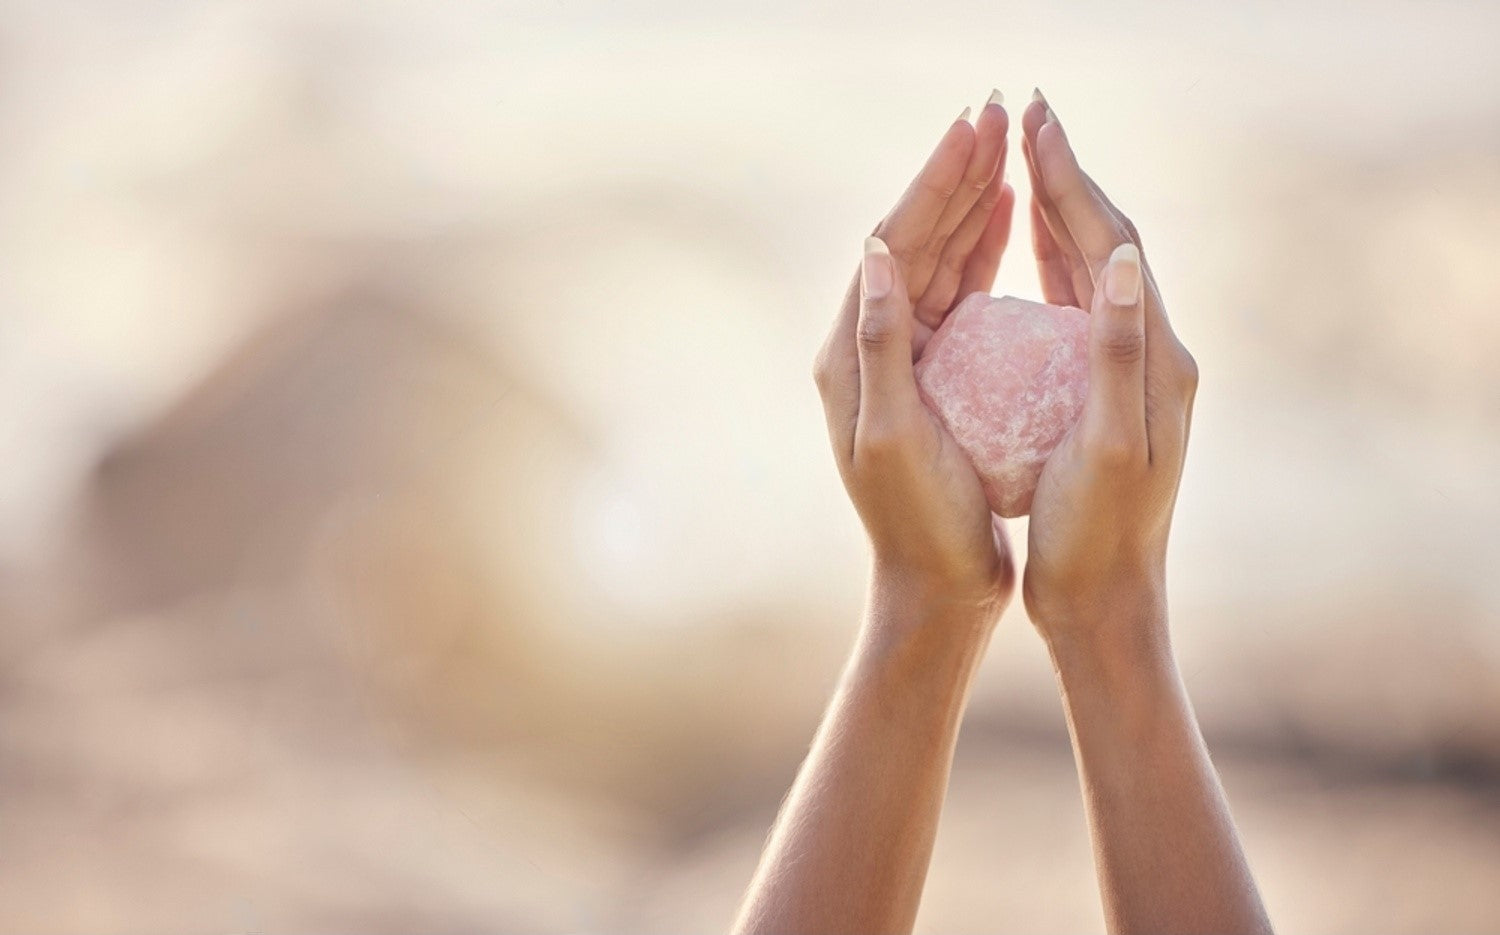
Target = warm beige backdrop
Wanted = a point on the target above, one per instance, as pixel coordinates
(416, 515)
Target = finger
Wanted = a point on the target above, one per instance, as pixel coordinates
(984, 262)
(1097, 227)
(990, 129)
(836, 373)
(836, 370)
(1093, 226)
(909, 225)
(1156, 311)
(938, 297)
(1051, 265)
(1072, 261)
(887, 386)
(1114, 414)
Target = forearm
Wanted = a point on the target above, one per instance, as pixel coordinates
(849, 851)
(1165, 847)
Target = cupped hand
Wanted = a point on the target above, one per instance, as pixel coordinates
(1103, 507)
(915, 491)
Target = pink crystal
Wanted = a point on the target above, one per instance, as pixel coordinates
(1007, 377)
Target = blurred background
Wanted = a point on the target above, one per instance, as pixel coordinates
(416, 513)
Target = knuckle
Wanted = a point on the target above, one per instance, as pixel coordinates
(820, 372)
(1187, 369)
(906, 254)
(932, 249)
(953, 262)
(874, 333)
(942, 190)
(1123, 346)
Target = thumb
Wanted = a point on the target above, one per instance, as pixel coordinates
(1115, 411)
(887, 386)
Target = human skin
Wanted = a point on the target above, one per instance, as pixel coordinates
(849, 851)
(1166, 852)
(850, 848)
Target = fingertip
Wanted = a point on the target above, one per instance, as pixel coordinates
(1049, 135)
(1053, 157)
(997, 229)
(959, 131)
(1033, 117)
(1004, 211)
(953, 150)
(993, 120)
(1007, 198)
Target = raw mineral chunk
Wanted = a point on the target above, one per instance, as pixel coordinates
(1008, 378)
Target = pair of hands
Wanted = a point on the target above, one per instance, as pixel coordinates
(851, 847)
(1095, 572)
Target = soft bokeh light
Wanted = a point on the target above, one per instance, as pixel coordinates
(417, 512)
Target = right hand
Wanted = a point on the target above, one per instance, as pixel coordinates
(1095, 573)
(930, 530)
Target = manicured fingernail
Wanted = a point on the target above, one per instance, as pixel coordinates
(877, 272)
(995, 98)
(1122, 275)
(964, 115)
(1036, 95)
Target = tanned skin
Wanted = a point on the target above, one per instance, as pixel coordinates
(850, 849)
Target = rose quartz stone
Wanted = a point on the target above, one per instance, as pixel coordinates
(1007, 377)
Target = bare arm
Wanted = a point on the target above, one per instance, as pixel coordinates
(1165, 848)
(850, 849)
(849, 852)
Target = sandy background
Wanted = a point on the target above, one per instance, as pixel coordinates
(416, 513)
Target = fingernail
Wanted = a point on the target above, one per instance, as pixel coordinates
(877, 272)
(995, 98)
(1036, 95)
(1122, 275)
(964, 115)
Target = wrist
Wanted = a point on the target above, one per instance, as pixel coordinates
(1108, 613)
(933, 632)
(1115, 651)
(918, 595)
(1124, 701)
